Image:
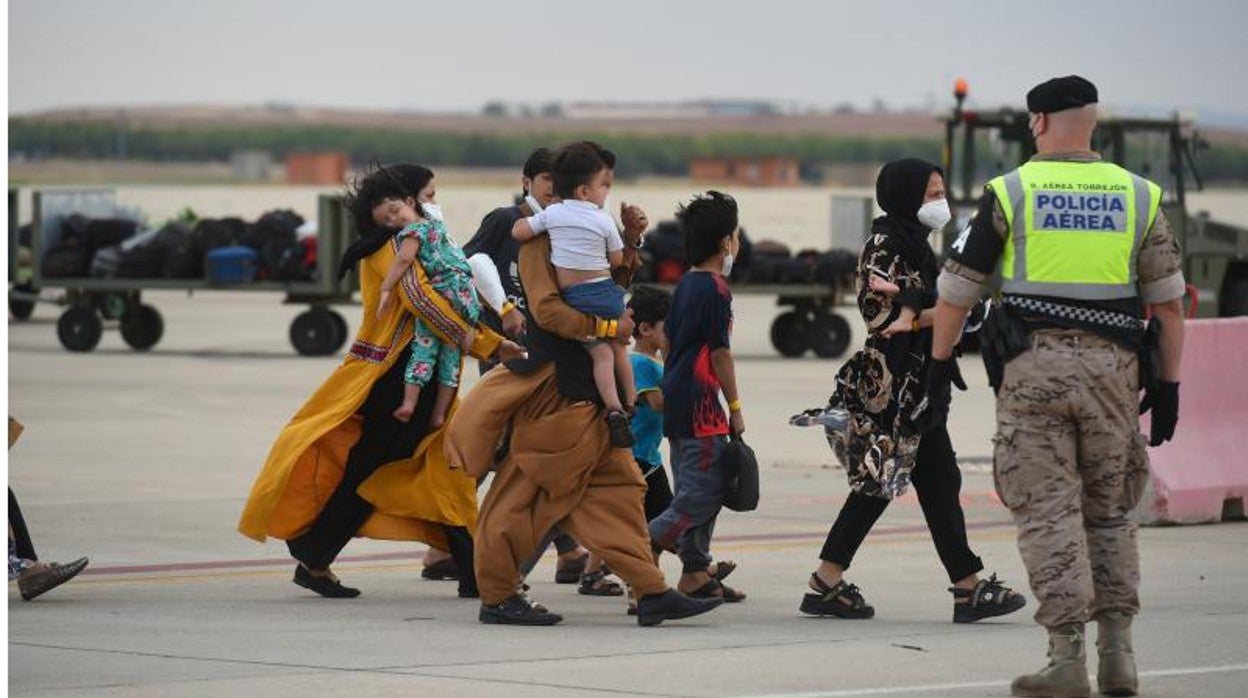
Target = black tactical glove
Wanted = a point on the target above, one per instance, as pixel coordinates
(1164, 402)
(933, 410)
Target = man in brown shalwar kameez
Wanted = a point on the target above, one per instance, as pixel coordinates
(561, 468)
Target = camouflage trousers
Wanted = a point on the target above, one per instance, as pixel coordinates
(1070, 463)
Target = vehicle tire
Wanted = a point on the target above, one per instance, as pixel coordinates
(829, 335)
(315, 333)
(22, 309)
(79, 329)
(142, 327)
(340, 326)
(1233, 300)
(789, 334)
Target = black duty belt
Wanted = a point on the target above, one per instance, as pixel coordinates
(1086, 317)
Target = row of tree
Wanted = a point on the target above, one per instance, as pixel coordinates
(638, 153)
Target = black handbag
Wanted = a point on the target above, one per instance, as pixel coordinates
(740, 475)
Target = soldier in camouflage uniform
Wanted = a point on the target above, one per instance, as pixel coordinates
(1082, 247)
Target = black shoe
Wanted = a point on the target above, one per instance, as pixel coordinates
(327, 586)
(618, 427)
(440, 570)
(842, 601)
(516, 610)
(570, 572)
(468, 591)
(671, 605)
(989, 598)
(34, 583)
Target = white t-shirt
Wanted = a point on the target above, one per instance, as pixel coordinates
(581, 234)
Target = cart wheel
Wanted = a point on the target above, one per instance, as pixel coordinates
(142, 327)
(789, 334)
(316, 333)
(79, 329)
(340, 326)
(829, 335)
(20, 308)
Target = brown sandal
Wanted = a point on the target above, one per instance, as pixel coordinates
(716, 589)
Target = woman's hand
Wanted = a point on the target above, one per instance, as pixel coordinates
(903, 323)
(736, 422)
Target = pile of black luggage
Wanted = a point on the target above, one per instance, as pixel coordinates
(106, 248)
(764, 262)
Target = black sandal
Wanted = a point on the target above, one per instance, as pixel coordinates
(843, 600)
(570, 572)
(723, 568)
(989, 598)
(716, 589)
(441, 570)
(596, 584)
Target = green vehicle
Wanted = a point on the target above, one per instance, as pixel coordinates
(980, 145)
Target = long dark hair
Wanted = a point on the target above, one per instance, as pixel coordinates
(366, 193)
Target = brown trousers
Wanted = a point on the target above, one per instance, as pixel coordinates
(1070, 464)
(560, 470)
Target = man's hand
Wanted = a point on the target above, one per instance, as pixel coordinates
(1164, 402)
(514, 324)
(736, 422)
(625, 327)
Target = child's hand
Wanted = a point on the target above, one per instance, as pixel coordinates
(903, 323)
(513, 324)
(881, 285)
(384, 303)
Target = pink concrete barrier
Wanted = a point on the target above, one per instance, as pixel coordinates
(1201, 475)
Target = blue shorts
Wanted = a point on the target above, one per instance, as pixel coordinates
(601, 298)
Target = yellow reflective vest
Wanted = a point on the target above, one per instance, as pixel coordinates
(1075, 228)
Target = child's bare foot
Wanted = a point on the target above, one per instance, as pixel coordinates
(436, 420)
(509, 350)
(404, 413)
(881, 285)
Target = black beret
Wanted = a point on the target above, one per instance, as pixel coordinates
(1060, 94)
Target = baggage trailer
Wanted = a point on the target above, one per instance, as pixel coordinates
(88, 302)
(810, 323)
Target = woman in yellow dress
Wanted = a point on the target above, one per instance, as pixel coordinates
(344, 466)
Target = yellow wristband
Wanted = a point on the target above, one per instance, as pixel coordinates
(508, 306)
(613, 328)
(914, 325)
(600, 330)
(735, 405)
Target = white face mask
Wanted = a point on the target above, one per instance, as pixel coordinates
(533, 205)
(728, 260)
(935, 214)
(432, 210)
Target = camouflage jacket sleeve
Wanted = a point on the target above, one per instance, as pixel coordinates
(974, 255)
(1159, 265)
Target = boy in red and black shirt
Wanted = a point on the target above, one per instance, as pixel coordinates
(697, 369)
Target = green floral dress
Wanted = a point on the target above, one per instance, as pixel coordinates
(450, 275)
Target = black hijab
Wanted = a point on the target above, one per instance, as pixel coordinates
(900, 189)
(395, 181)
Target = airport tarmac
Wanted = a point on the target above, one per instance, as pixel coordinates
(142, 462)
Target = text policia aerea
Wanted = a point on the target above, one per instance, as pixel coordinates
(1097, 207)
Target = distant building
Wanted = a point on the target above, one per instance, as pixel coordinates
(251, 165)
(774, 171)
(316, 168)
(669, 110)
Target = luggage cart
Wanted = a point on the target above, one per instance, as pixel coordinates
(318, 331)
(811, 322)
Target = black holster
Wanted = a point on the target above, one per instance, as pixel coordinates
(1150, 355)
(1003, 337)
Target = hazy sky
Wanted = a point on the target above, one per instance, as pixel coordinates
(458, 54)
